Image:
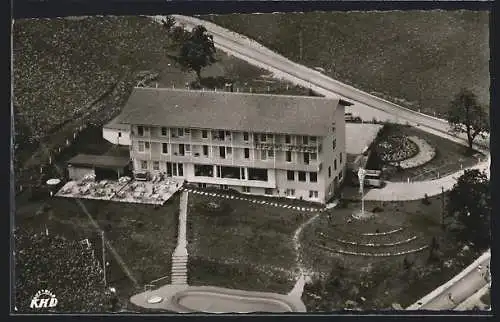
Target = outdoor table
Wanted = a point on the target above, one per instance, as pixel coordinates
(52, 184)
(155, 299)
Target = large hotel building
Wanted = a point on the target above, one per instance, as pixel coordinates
(277, 145)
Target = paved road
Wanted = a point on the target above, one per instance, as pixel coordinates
(364, 103)
(475, 300)
(404, 191)
(449, 295)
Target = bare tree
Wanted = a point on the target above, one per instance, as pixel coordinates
(466, 115)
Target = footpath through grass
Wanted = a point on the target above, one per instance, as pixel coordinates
(378, 282)
(419, 59)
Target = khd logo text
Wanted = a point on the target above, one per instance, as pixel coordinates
(43, 299)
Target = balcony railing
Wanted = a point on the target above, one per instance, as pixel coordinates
(287, 147)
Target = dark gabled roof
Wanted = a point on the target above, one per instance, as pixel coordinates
(116, 124)
(99, 161)
(230, 111)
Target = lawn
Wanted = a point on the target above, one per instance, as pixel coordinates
(381, 281)
(449, 156)
(144, 236)
(244, 245)
(419, 59)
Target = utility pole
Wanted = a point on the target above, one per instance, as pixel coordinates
(361, 177)
(104, 258)
(442, 208)
(300, 45)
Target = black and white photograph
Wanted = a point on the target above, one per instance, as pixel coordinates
(286, 162)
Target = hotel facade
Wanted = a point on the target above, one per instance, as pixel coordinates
(287, 146)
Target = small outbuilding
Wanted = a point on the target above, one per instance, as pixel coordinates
(102, 166)
(116, 132)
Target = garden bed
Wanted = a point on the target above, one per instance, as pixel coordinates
(448, 156)
(396, 148)
(381, 281)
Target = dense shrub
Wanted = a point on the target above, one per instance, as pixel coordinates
(65, 267)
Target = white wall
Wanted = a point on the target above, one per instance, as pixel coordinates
(112, 136)
(301, 188)
(329, 155)
(77, 173)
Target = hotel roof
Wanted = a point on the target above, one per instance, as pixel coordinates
(230, 111)
(116, 124)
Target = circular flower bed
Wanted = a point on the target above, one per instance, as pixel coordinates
(396, 148)
(426, 153)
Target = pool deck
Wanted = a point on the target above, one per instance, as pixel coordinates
(171, 295)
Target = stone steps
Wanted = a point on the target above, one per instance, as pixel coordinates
(179, 257)
(179, 269)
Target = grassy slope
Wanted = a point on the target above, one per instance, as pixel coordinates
(250, 248)
(389, 282)
(62, 66)
(421, 57)
(143, 235)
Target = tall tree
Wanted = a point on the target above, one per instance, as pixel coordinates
(197, 50)
(64, 267)
(466, 115)
(168, 23)
(470, 204)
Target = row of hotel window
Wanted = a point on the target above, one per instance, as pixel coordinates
(173, 169)
(200, 170)
(222, 134)
(334, 165)
(144, 146)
